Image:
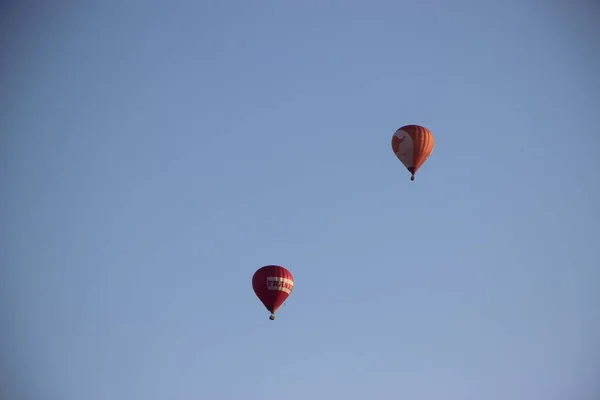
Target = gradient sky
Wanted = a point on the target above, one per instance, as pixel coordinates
(155, 154)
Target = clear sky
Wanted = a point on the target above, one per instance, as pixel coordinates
(155, 154)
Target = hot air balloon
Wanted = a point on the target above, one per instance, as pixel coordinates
(412, 144)
(272, 285)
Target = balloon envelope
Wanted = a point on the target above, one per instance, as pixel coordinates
(413, 145)
(272, 285)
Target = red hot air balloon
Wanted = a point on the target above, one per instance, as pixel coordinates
(413, 145)
(272, 285)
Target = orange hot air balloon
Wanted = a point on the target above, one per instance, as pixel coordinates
(413, 145)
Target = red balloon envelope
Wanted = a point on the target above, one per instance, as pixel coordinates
(272, 285)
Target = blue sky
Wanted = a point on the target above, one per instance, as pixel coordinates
(155, 154)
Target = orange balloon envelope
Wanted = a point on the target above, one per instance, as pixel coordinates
(413, 145)
(272, 285)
